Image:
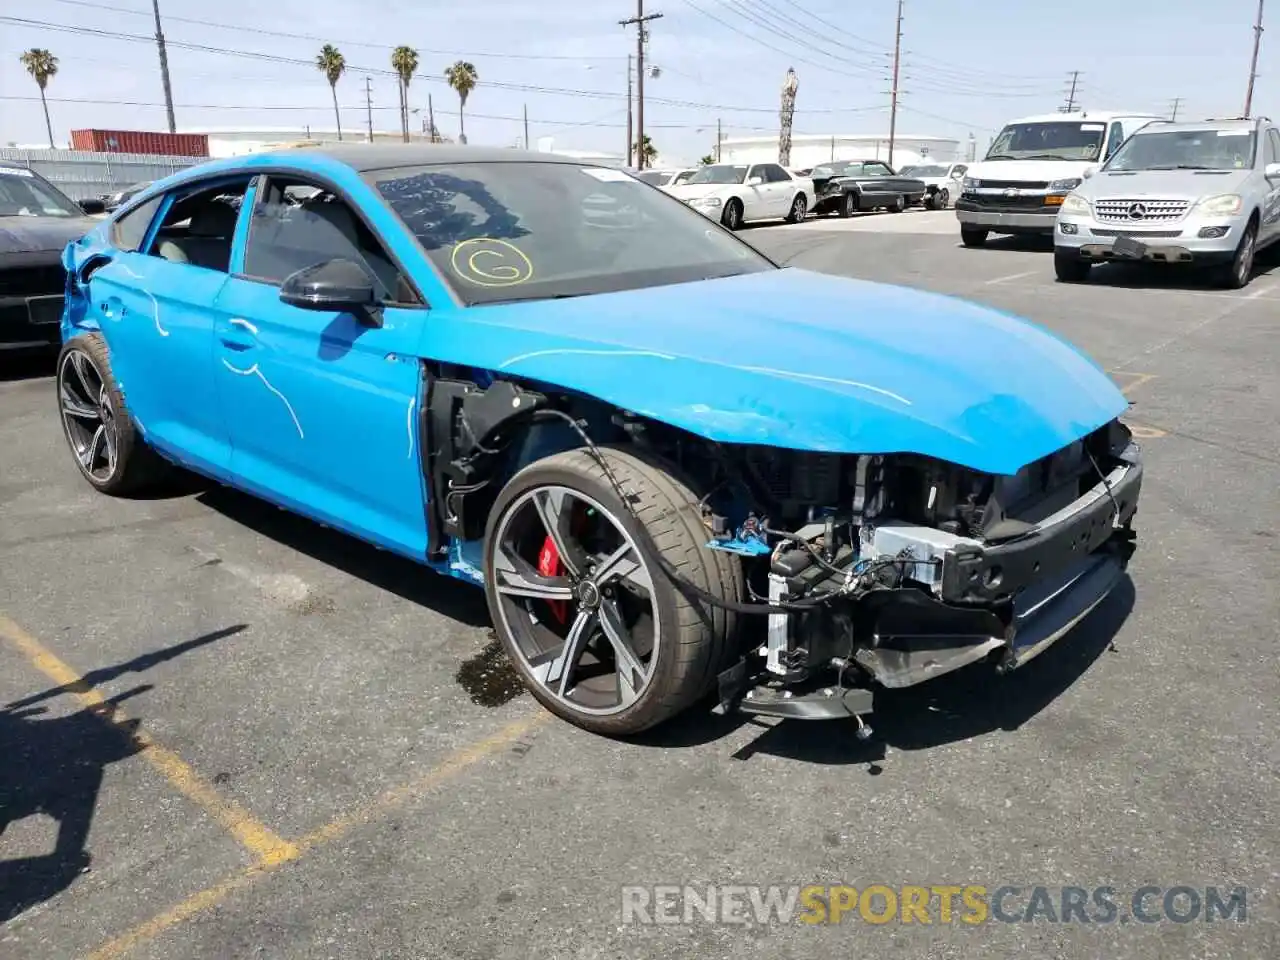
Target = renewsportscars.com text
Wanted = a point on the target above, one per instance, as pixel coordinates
(969, 904)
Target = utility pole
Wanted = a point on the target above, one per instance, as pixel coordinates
(1070, 105)
(642, 34)
(164, 68)
(1173, 109)
(431, 119)
(1253, 63)
(368, 105)
(893, 95)
(630, 119)
(719, 139)
(526, 128)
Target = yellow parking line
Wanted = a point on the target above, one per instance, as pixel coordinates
(366, 813)
(1138, 380)
(256, 837)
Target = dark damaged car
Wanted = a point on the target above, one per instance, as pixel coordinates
(846, 187)
(674, 467)
(36, 223)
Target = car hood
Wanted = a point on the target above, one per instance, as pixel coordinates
(695, 191)
(1029, 170)
(1163, 184)
(807, 361)
(39, 234)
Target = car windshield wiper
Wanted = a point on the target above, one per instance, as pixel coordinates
(1046, 156)
(999, 156)
(1183, 166)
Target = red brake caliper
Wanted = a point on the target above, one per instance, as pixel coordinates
(549, 565)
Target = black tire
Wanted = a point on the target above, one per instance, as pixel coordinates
(849, 205)
(898, 205)
(1237, 274)
(973, 238)
(799, 209)
(1069, 267)
(731, 218)
(941, 199)
(698, 640)
(84, 368)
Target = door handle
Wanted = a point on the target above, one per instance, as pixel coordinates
(242, 335)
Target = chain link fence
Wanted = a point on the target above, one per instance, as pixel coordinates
(81, 174)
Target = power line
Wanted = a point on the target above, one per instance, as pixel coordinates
(376, 71)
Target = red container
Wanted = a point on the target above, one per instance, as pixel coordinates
(141, 141)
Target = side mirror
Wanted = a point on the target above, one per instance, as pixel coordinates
(754, 181)
(338, 284)
(1272, 171)
(1089, 172)
(92, 205)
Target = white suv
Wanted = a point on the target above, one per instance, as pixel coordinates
(1207, 194)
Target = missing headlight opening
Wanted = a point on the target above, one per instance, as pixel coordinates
(861, 571)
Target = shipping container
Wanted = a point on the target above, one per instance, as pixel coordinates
(141, 141)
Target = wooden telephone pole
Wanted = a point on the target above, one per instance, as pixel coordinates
(893, 94)
(1253, 63)
(642, 34)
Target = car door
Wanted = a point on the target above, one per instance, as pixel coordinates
(157, 299)
(322, 405)
(782, 189)
(1270, 231)
(756, 198)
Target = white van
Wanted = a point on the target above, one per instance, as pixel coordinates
(1032, 164)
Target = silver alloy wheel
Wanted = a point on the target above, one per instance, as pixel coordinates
(944, 198)
(798, 208)
(849, 205)
(600, 656)
(731, 218)
(1244, 259)
(88, 417)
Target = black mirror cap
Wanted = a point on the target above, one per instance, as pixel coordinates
(92, 205)
(337, 284)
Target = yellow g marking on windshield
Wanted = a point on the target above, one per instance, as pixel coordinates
(488, 262)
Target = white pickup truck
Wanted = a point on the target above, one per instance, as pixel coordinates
(1032, 164)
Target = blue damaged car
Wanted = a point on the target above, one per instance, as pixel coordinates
(674, 467)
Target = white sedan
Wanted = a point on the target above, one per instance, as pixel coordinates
(738, 193)
(665, 178)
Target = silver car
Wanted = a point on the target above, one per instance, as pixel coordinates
(1207, 194)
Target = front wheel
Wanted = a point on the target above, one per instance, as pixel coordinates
(732, 216)
(973, 238)
(1237, 274)
(941, 199)
(580, 586)
(1069, 268)
(848, 205)
(109, 451)
(799, 207)
(898, 205)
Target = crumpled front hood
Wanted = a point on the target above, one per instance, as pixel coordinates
(39, 234)
(807, 361)
(1163, 184)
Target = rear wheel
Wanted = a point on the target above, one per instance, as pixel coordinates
(898, 205)
(585, 607)
(732, 216)
(1069, 268)
(973, 238)
(109, 451)
(942, 198)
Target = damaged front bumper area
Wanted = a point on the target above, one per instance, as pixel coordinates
(938, 601)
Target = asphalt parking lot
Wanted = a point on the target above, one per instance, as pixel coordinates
(229, 732)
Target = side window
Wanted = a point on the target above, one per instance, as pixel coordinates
(1273, 146)
(775, 174)
(758, 171)
(1115, 137)
(199, 225)
(297, 225)
(958, 170)
(128, 232)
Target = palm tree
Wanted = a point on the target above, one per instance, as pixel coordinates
(463, 78)
(706, 161)
(42, 65)
(404, 60)
(647, 150)
(333, 65)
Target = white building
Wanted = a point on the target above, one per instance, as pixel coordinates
(808, 150)
(236, 141)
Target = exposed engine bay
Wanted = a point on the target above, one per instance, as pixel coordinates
(866, 570)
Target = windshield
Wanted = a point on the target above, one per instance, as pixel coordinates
(719, 173)
(501, 232)
(1056, 140)
(656, 177)
(934, 171)
(22, 194)
(1186, 150)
